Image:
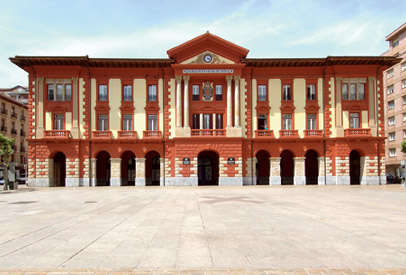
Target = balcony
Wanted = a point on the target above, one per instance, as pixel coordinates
(127, 134)
(152, 134)
(102, 134)
(313, 133)
(22, 149)
(59, 134)
(288, 134)
(4, 111)
(208, 132)
(13, 115)
(264, 133)
(13, 131)
(22, 133)
(4, 129)
(22, 118)
(357, 132)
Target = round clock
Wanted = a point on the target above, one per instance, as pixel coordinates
(207, 58)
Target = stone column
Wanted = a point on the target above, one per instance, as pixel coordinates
(140, 171)
(178, 101)
(40, 108)
(115, 177)
(321, 179)
(201, 121)
(186, 102)
(214, 121)
(339, 112)
(299, 168)
(75, 108)
(229, 103)
(275, 164)
(237, 101)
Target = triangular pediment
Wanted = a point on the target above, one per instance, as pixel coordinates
(221, 51)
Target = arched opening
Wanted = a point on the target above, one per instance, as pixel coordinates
(153, 169)
(311, 167)
(262, 167)
(287, 167)
(103, 169)
(128, 169)
(59, 169)
(355, 167)
(208, 168)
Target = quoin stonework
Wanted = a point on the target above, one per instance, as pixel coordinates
(206, 115)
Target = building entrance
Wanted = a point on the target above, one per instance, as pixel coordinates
(355, 167)
(59, 169)
(208, 168)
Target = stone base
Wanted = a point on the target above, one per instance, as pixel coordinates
(84, 182)
(248, 181)
(191, 181)
(229, 181)
(182, 132)
(321, 181)
(383, 179)
(42, 182)
(115, 181)
(331, 180)
(299, 180)
(275, 181)
(370, 180)
(343, 180)
(140, 182)
(233, 132)
(72, 182)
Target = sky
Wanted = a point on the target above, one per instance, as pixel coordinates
(139, 29)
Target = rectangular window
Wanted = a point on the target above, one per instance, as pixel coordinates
(392, 136)
(353, 91)
(127, 93)
(195, 93)
(392, 152)
(59, 92)
(219, 121)
(391, 105)
(207, 121)
(311, 92)
(404, 134)
(345, 91)
(354, 120)
(127, 122)
(51, 92)
(262, 122)
(391, 120)
(152, 93)
(389, 73)
(404, 84)
(287, 93)
(403, 66)
(152, 122)
(196, 121)
(102, 123)
(68, 92)
(13, 111)
(262, 93)
(404, 117)
(311, 122)
(219, 92)
(404, 99)
(395, 43)
(59, 122)
(287, 122)
(361, 91)
(391, 89)
(102, 92)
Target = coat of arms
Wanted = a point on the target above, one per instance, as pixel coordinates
(207, 91)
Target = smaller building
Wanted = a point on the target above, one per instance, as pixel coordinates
(18, 93)
(14, 124)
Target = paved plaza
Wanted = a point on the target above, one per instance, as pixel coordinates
(204, 228)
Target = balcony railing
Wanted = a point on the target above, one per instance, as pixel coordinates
(4, 129)
(264, 133)
(152, 134)
(288, 133)
(22, 149)
(4, 111)
(22, 133)
(357, 132)
(22, 118)
(13, 131)
(313, 133)
(208, 132)
(13, 115)
(127, 134)
(57, 134)
(102, 134)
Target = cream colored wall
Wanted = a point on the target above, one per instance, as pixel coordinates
(254, 106)
(320, 96)
(332, 108)
(140, 99)
(243, 100)
(274, 97)
(68, 121)
(172, 106)
(115, 103)
(199, 58)
(161, 105)
(299, 97)
(48, 121)
(364, 120)
(346, 120)
(93, 103)
(81, 116)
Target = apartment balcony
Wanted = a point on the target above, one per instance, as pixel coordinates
(102, 134)
(127, 134)
(13, 115)
(288, 134)
(22, 149)
(58, 134)
(22, 118)
(4, 112)
(152, 134)
(22, 133)
(264, 134)
(13, 131)
(357, 132)
(4, 129)
(208, 132)
(313, 133)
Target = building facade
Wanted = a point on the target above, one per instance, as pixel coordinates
(395, 97)
(205, 115)
(18, 93)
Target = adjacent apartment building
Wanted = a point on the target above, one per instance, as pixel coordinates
(395, 94)
(206, 115)
(18, 93)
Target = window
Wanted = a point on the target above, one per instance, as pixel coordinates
(287, 122)
(207, 121)
(403, 66)
(311, 92)
(311, 122)
(51, 92)
(127, 93)
(353, 91)
(219, 92)
(262, 93)
(13, 128)
(404, 134)
(395, 43)
(219, 121)
(59, 122)
(391, 89)
(152, 123)
(102, 123)
(127, 122)
(196, 121)
(392, 152)
(391, 104)
(262, 122)
(287, 94)
(13, 112)
(345, 91)
(404, 99)
(392, 136)
(391, 120)
(361, 91)
(389, 73)
(404, 117)
(102, 92)
(195, 92)
(354, 120)
(404, 84)
(68, 92)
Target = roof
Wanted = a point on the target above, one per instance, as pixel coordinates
(9, 99)
(396, 32)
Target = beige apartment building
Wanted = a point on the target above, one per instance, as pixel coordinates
(395, 109)
(14, 124)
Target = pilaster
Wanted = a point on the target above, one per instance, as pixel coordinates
(299, 168)
(140, 171)
(115, 178)
(275, 171)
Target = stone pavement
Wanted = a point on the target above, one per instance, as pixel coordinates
(204, 230)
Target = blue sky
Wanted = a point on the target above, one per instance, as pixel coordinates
(124, 28)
